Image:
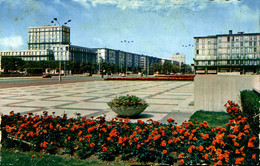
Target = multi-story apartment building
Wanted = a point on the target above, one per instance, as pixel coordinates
(178, 58)
(119, 58)
(57, 38)
(227, 53)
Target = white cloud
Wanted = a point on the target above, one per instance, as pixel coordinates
(155, 5)
(12, 41)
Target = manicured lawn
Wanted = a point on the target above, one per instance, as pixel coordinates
(19, 158)
(214, 119)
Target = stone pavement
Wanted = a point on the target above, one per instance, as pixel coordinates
(166, 98)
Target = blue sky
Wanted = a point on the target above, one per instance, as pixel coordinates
(158, 27)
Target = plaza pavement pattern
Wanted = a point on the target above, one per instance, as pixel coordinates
(166, 99)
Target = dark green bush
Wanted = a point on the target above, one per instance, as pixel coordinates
(250, 107)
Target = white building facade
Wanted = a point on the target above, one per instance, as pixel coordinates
(178, 58)
(227, 53)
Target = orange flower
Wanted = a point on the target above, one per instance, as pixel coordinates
(44, 144)
(200, 148)
(236, 144)
(163, 143)
(156, 137)
(76, 147)
(169, 141)
(182, 162)
(164, 151)
(80, 139)
(120, 140)
(194, 130)
(80, 132)
(250, 144)
(152, 149)
(170, 120)
(190, 150)
(239, 160)
(174, 133)
(138, 146)
(104, 149)
(92, 145)
(181, 155)
(218, 163)
(254, 156)
(109, 138)
(68, 137)
(206, 157)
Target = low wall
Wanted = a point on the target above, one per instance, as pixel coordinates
(213, 91)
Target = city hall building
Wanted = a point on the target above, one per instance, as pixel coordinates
(230, 52)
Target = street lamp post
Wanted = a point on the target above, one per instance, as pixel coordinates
(60, 40)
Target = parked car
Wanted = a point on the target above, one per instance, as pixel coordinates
(46, 76)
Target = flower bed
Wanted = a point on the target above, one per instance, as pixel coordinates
(145, 141)
(186, 75)
(173, 78)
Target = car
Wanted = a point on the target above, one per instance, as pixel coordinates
(46, 76)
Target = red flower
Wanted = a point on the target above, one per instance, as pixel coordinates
(170, 120)
(164, 151)
(182, 162)
(163, 143)
(92, 145)
(239, 160)
(138, 146)
(104, 149)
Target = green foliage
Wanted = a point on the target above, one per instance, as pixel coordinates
(214, 119)
(157, 67)
(250, 102)
(11, 63)
(167, 67)
(18, 158)
(127, 101)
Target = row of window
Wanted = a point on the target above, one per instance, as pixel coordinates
(21, 53)
(228, 39)
(229, 51)
(237, 62)
(48, 29)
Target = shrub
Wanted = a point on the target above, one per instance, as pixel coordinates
(250, 102)
(127, 101)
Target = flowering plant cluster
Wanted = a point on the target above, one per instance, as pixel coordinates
(173, 78)
(145, 141)
(175, 75)
(127, 101)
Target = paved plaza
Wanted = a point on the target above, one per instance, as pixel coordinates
(166, 98)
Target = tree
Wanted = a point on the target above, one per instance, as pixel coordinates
(157, 67)
(175, 68)
(11, 63)
(167, 67)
